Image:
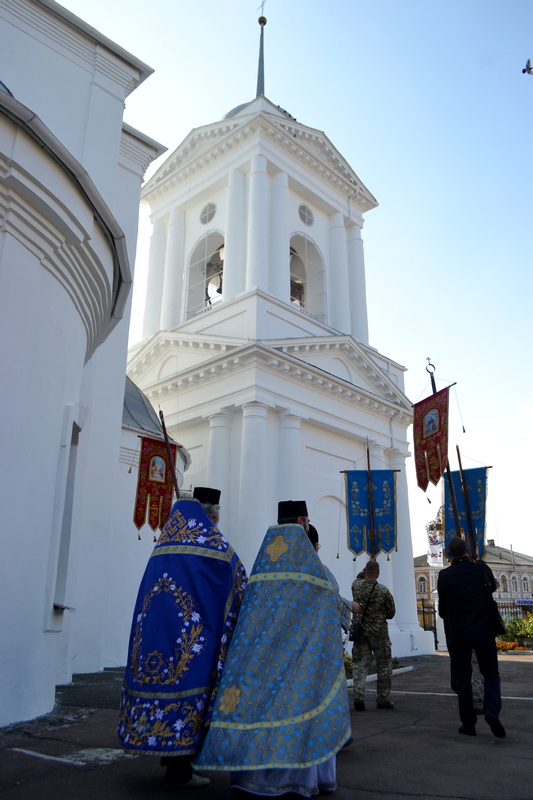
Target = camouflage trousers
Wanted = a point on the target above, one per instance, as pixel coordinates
(362, 657)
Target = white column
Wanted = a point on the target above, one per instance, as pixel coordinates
(154, 288)
(403, 574)
(337, 272)
(280, 285)
(357, 285)
(290, 457)
(254, 516)
(258, 223)
(173, 281)
(234, 279)
(218, 459)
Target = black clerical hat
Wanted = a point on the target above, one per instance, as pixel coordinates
(206, 495)
(292, 508)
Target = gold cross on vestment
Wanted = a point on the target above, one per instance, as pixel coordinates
(277, 548)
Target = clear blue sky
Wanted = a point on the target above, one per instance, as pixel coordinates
(427, 102)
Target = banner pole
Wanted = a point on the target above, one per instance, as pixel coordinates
(448, 470)
(467, 507)
(169, 454)
(370, 506)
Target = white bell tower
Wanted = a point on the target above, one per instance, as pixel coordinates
(256, 335)
(257, 210)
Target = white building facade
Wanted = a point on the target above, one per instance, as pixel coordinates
(70, 179)
(256, 337)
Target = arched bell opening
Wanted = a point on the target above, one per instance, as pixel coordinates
(307, 277)
(205, 273)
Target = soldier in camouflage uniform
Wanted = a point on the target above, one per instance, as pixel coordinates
(375, 639)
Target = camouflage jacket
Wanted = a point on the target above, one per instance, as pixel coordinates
(380, 609)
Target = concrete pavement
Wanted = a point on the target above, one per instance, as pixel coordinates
(413, 751)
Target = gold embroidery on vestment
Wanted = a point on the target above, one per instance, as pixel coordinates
(230, 700)
(277, 548)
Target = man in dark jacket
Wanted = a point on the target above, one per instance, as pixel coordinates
(465, 596)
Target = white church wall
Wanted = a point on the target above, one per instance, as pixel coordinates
(394, 371)
(45, 361)
(128, 553)
(318, 230)
(58, 273)
(258, 316)
(94, 82)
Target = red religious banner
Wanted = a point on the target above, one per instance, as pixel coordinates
(155, 482)
(431, 438)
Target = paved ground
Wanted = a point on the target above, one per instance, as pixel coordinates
(413, 751)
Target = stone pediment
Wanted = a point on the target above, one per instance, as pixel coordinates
(167, 353)
(343, 357)
(171, 362)
(204, 146)
(325, 158)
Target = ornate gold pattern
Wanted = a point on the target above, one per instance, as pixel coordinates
(277, 548)
(291, 576)
(243, 726)
(230, 700)
(153, 668)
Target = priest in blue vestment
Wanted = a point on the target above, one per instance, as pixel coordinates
(183, 621)
(282, 710)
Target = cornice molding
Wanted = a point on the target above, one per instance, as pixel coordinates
(348, 347)
(75, 263)
(310, 148)
(168, 340)
(139, 149)
(65, 31)
(278, 361)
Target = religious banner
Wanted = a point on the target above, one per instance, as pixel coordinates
(383, 491)
(155, 484)
(476, 489)
(430, 432)
(435, 543)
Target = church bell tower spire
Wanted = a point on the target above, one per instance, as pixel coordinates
(261, 66)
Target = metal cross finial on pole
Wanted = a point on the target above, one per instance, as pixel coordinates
(431, 373)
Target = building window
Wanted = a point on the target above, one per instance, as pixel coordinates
(503, 581)
(306, 215)
(307, 276)
(422, 585)
(206, 268)
(207, 213)
(514, 583)
(525, 583)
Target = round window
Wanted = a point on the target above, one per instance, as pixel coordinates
(207, 213)
(306, 215)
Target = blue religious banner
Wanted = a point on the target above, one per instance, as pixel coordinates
(382, 491)
(476, 489)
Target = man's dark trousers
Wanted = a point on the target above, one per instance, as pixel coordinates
(461, 667)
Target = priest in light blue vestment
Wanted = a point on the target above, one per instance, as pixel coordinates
(183, 621)
(282, 709)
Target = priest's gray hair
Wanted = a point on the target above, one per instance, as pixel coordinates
(212, 510)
